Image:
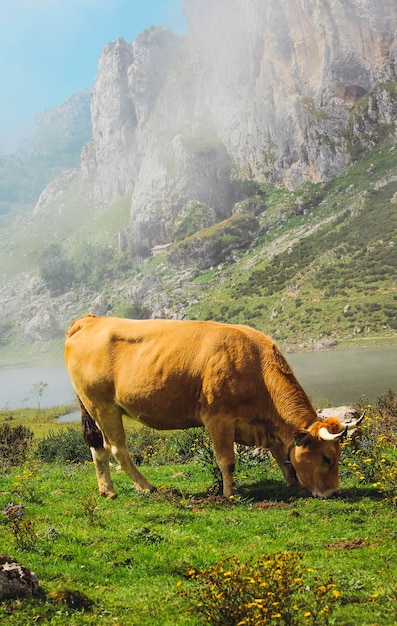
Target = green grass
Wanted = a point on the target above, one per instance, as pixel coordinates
(130, 555)
(130, 561)
(40, 422)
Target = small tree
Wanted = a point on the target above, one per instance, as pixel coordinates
(56, 269)
(37, 391)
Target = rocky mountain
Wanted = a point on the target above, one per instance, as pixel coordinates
(55, 146)
(275, 91)
(232, 140)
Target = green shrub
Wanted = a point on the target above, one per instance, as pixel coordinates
(15, 443)
(201, 448)
(194, 217)
(371, 453)
(56, 269)
(153, 447)
(186, 445)
(67, 445)
(21, 527)
(133, 311)
(147, 446)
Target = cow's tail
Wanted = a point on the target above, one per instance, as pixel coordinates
(91, 432)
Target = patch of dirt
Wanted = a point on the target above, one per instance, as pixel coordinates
(353, 544)
(268, 504)
(211, 499)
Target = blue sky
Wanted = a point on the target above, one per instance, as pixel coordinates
(49, 49)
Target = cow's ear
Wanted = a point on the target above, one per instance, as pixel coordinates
(302, 438)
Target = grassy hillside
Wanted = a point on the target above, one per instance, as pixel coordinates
(322, 267)
(338, 278)
(325, 264)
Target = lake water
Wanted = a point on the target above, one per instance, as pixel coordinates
(345, 376)
(16, 386)
(338, 376)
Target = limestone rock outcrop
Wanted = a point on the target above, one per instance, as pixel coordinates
(16, 581)
(276, 91)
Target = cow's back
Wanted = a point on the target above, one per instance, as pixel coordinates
(166, 371)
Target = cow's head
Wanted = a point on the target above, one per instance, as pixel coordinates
(315, 455)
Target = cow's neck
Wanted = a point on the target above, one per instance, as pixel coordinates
(293, 408)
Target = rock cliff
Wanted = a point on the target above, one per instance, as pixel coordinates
(257, 90)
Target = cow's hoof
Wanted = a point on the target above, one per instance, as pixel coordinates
(109, 495)
(149, 489)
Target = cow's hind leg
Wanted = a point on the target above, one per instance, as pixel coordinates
(100, 456)
(108, 439)
(114, 442)
(221, 431)
(93, 437)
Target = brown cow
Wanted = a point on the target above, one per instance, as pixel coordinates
(231, 379)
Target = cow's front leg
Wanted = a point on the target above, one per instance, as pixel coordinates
(221, 431)
(100, 456)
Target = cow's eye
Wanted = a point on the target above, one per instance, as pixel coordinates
(326, 460)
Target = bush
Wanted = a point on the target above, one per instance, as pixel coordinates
(67, 445)
(15, 442)
(371, 453)
(133, 311)
(274, 589)
(147, 446)
(194, 217)
(152, 447)
(56, 269)
(190, 444)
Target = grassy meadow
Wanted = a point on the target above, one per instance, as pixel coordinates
(185, 555)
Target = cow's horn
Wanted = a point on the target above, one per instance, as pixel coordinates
(327, 436)
(356, 423)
